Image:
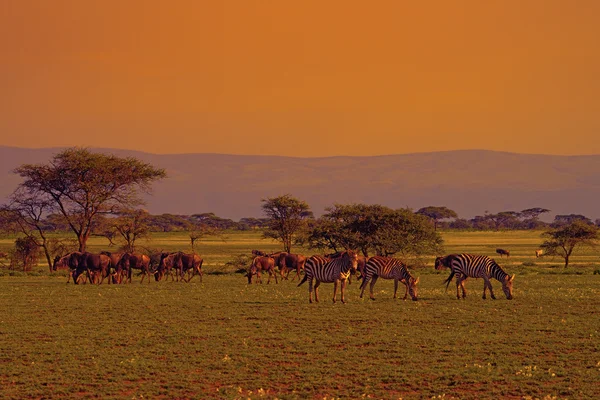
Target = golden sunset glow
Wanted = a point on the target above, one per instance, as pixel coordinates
(305, 78)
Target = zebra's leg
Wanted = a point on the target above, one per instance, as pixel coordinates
(317, 283)
(458, 280)
(335, 285)
(396, 288)
(462, 285)
(363, 285)
(488, 283)
(310, 289)
(372, 286)
(343, 289)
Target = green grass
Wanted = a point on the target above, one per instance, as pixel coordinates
(226, 339)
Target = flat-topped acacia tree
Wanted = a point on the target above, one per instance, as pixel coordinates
(82, 185)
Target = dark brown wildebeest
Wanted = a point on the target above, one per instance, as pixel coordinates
(503, 252)
(190, 262)
(293, 262)
(166, 265)
(279, 259)
(259, 253)
(118, 274)
(261, 264)
(182, 263)
(131, 261)
(69, 261)
(360, 267)
(95, 266)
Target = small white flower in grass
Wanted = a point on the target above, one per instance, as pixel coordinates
(226, 358)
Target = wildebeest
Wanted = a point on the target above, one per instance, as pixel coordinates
(166, 266)
(190, 264)
(287, 262)
(95, 266)
(261, 264)
(181, 263)
(131, 261)
(539, 253)
(118, 273)
(69, 261)
(503, 252)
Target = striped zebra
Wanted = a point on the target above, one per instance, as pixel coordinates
(388, 268)
(471, 266)
(336, 270)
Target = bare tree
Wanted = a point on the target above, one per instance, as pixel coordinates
(24, 214)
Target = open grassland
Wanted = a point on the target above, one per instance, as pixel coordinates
(223, 338)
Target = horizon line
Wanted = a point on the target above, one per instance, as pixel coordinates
(300, 157)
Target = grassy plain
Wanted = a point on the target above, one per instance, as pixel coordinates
(225, 339)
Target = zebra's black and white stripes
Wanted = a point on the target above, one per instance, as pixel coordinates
(322, 270)
(388, 268)
(465, 266)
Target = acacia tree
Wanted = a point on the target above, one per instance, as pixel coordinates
(437, 213)
(131, 225)
(82, 186)
(374, 229)
(24, 214)
(564, 239)
(287, 217)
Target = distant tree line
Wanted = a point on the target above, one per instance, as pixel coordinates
(92, 194)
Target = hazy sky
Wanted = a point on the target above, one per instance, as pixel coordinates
(304, 78)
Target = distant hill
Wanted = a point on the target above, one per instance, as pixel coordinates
(469, 182)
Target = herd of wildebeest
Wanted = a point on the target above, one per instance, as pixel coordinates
(119, 267)
(337, 268)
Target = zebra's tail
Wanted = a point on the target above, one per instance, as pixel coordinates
(303, 279)
(448, 280)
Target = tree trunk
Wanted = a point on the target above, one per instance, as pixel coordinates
(82, 243)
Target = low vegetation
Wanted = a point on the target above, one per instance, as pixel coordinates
(226, 339)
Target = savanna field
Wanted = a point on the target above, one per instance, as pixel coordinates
(222, 338)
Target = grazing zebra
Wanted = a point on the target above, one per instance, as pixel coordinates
(471, 266)
(388, 268)
(336, 270)
(503, 252)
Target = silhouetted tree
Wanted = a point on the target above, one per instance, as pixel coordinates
(287, 219)
(374, 229)
(563, 239)
(82, 185)
(437, 213)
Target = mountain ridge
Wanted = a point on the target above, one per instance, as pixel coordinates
(467, 181)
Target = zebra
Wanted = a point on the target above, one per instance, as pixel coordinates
(388, 268)
(473, 266)
(336, 270)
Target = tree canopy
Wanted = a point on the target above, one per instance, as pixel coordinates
(374, 230)
(436, 213)
(564, 239)
(287, 218)
(82, 185)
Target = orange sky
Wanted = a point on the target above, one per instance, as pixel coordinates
(304, 78)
